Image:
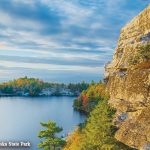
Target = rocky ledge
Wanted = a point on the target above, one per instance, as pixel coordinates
(128, 82)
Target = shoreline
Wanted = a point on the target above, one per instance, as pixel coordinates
(13, 95)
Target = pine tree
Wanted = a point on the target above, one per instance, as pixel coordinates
(51, 141)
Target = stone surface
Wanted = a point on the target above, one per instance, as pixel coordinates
(129, 85)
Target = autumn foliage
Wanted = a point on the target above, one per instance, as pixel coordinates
(97, 133)
(90, 97)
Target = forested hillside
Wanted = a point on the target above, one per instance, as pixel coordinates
(89, 98)
(36, 87)
(97, 132)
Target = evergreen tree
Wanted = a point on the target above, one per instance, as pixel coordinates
(51, 141)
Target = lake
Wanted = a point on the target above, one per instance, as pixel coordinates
(20, 117)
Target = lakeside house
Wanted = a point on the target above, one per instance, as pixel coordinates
(57, 91)
(51, 91)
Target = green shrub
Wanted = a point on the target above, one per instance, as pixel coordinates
(142, 55)
(133, 60)
(145, 52)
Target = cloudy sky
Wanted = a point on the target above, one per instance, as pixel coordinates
(61, 40)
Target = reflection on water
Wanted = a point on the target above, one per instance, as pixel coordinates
(20, 117)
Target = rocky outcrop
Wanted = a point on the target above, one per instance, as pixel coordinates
(129, 83)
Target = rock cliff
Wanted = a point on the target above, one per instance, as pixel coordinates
(128, 82)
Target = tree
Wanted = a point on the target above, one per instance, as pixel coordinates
(51, 141)
(89, 98)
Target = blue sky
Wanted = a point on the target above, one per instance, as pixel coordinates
(61, 40)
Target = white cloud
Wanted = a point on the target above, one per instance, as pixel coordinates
(18, 23)
(69, 9)
(31, 3)
(50, 67)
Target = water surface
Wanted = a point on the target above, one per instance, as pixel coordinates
(20, 117)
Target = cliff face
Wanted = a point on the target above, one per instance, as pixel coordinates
(128, 82)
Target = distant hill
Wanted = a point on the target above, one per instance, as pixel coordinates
(35, 87)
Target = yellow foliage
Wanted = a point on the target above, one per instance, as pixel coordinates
(73, 141)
